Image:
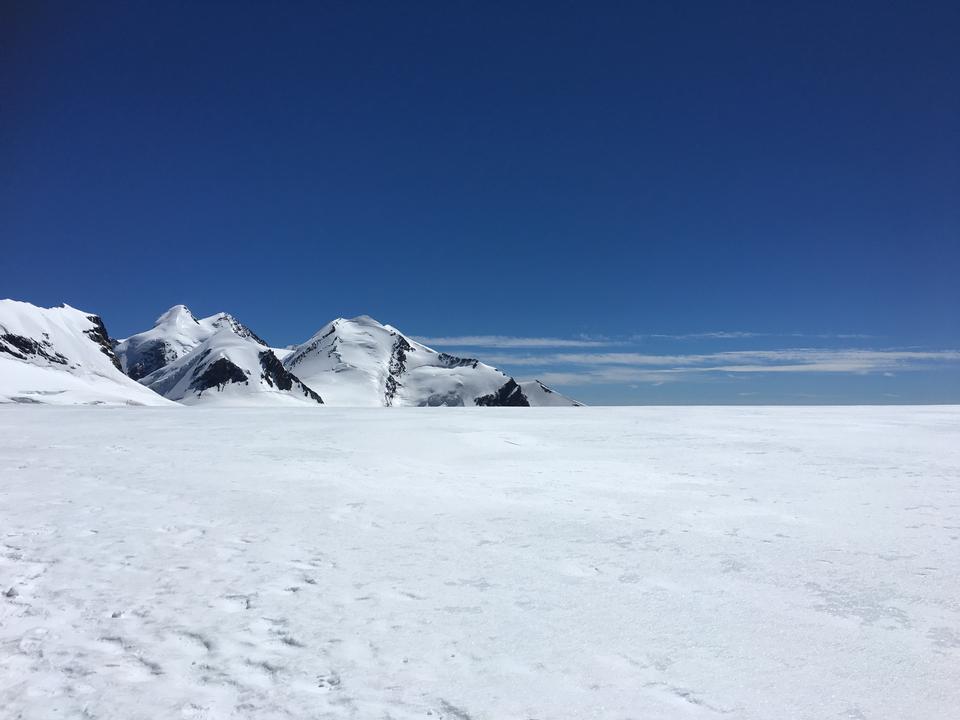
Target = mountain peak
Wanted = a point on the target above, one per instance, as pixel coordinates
(178, 314)
(361, 361)
(226, 320)
(361, 320)
(176, 333)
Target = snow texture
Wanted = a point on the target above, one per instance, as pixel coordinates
(748, 563)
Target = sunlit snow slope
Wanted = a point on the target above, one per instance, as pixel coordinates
(176, 333)
(540, 395)
(361, 362)
(227, 368)
(60, 356)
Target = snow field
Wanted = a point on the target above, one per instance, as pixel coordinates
(480, 563)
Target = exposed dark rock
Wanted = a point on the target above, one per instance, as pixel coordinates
(396, 367)
(253, 336)
(11, 344)
(218, 374)
(152, 357)
(510, 395)
(98, 333)
(452, 361)
(22, 347)
(170, 379)
(390, 387)
(274, 373)
(398, 358)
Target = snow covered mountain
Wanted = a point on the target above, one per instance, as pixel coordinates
(61, 356)
(361, 362)
(229, 369)
(64, 355)
(174, 334)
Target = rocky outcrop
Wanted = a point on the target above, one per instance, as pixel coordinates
(218, 374)
(23, 348)
(510, 395)
(395, 368)
(275, 374)
(98, 333)
(152, 356)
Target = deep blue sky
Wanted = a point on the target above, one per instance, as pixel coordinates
(535, 170)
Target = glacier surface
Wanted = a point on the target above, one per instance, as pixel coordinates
(449, 563)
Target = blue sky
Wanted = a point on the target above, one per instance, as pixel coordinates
(614, 196)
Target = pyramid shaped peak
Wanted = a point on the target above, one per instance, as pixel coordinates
(176, 314)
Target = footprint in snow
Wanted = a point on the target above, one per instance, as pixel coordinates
(329, 681)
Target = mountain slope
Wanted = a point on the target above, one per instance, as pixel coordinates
(361, 362)
(174, 334)
(61, 356)
(540, 395)
(227, 368)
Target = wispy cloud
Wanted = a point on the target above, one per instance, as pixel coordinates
(589, 360)
(766, 358)
(586, 341)
(744, 334)
(608, 376)
(508, 341)
(717, 335)
(636, 367)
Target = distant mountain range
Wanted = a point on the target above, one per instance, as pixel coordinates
(65, 356)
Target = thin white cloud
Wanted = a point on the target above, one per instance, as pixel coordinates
(610, 358)
(611, 368)
(586, 341)
(607, 376)
(717, 335)
(508, 341)
(764, 358)
(743, 334)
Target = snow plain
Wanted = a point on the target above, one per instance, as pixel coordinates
(482, 563)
